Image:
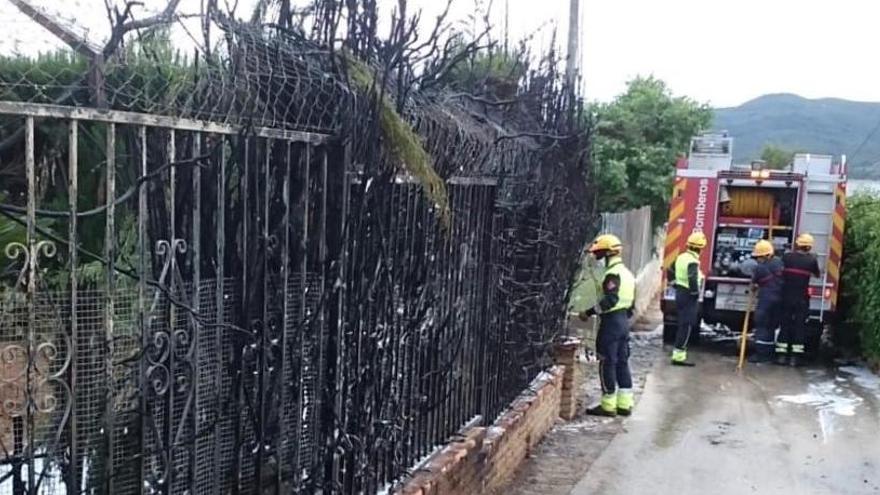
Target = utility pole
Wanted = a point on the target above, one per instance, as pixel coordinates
(506, 25)
(571, 63)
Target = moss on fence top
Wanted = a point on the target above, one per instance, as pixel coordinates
(404, 145)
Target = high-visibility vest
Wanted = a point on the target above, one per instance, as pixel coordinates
(626, 293)
(682, 263)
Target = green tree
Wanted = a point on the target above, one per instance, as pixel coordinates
(638, 138)
(776, 157)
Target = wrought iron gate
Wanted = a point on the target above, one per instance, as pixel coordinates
(186, 357)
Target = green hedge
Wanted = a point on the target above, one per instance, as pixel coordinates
(860, 291)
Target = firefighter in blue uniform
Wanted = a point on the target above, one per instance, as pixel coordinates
(800, 266)
(687, 278)
(612, 340)
(768, 278)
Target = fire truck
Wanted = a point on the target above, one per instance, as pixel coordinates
(737, 205)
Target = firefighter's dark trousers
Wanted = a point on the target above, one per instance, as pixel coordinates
(767, 318)
(793, 334)
(687, 312)
(612, 346)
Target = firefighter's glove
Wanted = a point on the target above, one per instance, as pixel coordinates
(595, 310)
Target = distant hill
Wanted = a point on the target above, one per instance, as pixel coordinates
(828, 126)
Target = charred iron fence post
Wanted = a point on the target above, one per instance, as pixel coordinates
(72, 197)
(143, 322)
(110, 290)
(31, 260)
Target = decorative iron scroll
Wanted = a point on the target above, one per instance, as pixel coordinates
(35, 358)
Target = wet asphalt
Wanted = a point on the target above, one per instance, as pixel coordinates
(769, 430)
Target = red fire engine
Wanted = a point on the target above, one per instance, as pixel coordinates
(735, 206)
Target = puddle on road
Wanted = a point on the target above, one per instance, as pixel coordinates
(831, 399)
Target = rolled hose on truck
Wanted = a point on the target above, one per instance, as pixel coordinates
(748, 203)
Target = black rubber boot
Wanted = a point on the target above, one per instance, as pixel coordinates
(624, 412)
(782, 360)
(759, 358)
(797, 361)
(598, 411)
(684, 363)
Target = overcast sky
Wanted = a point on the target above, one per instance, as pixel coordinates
(721, 52)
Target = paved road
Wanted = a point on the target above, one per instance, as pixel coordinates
(770, 431)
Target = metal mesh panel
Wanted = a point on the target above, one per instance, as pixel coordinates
(195, 422)
(302, 400)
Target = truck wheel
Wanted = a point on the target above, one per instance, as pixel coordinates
(669, 330)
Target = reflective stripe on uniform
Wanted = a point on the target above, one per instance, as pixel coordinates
(609, 402)
(798, 271)
(679, 355)
(625, 399)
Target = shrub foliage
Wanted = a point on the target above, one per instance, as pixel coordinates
(860, 297)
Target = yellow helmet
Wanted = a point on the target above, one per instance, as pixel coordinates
(697, 240)
(607, 242)
(763, 248)
(804, 241)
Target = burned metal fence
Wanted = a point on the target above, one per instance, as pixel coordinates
(412, 357)
(230, 310)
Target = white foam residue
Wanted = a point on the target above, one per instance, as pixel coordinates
(831, 402)
(826, 397)
(862, 377)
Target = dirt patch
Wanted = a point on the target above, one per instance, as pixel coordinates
(567, 452)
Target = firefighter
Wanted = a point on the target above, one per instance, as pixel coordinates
(687, 278)
(799, 266)
(612, 341)
(768, 279)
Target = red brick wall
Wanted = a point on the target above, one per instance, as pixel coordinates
(566, 355)
(485, 459)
